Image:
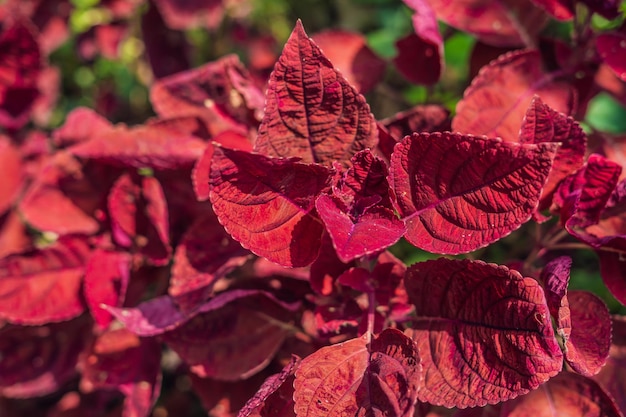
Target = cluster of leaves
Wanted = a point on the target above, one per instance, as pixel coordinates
(240, 240)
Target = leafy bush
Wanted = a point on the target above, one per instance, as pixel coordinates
(267, 243)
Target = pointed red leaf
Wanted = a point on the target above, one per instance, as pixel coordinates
(498, 23)
(311, 111)
(496, 101)
(349, 53)
(44, 285)
(106, 280)
(458, 193)
(542, 124)
(121, 360)
(221, 93)
(142, 146)
(587, 348)
(371, 232)
(12, 172)
(421, 118)
(568, 394)
(38, 360)
(352, 378)
(268, 204)
(205, 254)
(81, 124)
(612, 376)
(483, 332)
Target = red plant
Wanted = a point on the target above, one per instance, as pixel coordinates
(249, 233)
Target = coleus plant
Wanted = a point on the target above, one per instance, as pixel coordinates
(249, 233)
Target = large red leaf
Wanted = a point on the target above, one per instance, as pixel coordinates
(500, 23)
(121, 360)
(496, 101)
(12, 172)
(458, 193)
(151, 146)
(44, 285)
(349, 53)
(483, 331)
(542, 124)
(360, 378)
(567, 394)
(311, 111)
(268, 204)
(612, 376)
(37, 360)
(205, 254)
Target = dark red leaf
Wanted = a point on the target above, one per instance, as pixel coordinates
(483, 332)
(587, 348)
(612, 376)
(12, 172)
(121, 360)
(420, 54)
(501, 23)
(567, 394)
(371, 232)
(613, 272)
(496, 101)
(44, 285)
(37, 360)
(143, 146)
(542, 124)
(268, 204)
(188, 14)
(457, 193)
(311, 111)
(349, 53)
(559, 9)
(327, 268)
(205, 254)
(221, 93)
(358, 378)
(612, 50)
(555, 277)
(421, 118)
(106, 280)
(202, 169)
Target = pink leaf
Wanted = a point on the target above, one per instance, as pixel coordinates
(188, 14)
(612, 50)
(352, 378)
(44, 285)
(311, 111)
(205, 254)
(542, 124)
(267, 204)
(38, 360)
(81, 125)
(349, 53)
(12, 172)
(457, 193)
(587, 348)
(106, 280)
(567, 394)
(496, 101)
(483, 332)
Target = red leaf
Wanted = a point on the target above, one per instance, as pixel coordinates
(267, 204)
(43, 286)
(311, 111)
(352, 378)
(612, 376)
(371, 232)
(567, 394)
(143, 146)
(349, 53)
(483, 332)
(233, 342)
(420, 55)
(221, 93)
(458, 193)
(80, 125)
(421, 118)
(555, 277)
(497, 23)
(559, 9)
(496, 101)
(121, 360)
(205, 254)
(12, 172)
(612, 50)
(587, 348)
(613, 272)
(14, 237)
(106, 280)
(542, 124)
(327, 268)
(38, 360)
(188, 14)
